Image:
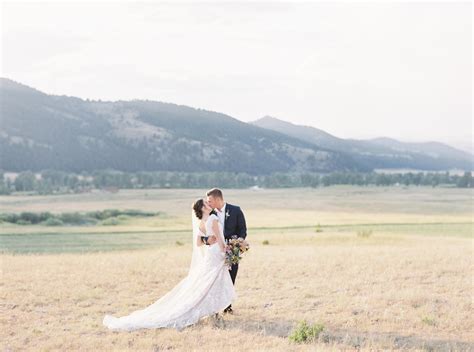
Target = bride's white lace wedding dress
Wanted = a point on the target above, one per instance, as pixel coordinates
(207, 289)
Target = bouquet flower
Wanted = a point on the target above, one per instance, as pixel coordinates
(234, 249)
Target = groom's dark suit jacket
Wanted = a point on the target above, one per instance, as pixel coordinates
(234, 224)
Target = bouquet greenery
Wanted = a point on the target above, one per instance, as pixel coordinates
(235, 247)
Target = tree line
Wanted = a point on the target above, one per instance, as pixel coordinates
(52, 181)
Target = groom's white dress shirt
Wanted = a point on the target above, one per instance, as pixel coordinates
(221, 214)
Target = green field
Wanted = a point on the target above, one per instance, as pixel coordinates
(337, 212)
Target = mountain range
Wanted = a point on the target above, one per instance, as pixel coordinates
(381, 152)
(40, 131)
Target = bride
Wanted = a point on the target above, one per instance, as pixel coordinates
(207, 289)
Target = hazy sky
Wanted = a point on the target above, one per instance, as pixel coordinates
(401, 70)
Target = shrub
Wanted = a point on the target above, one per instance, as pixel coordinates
(77, 219)
(364, 233)
(109, 213)
(318, 228)
(72, 218)
(11, 218)
(111, 222)
(23, 222)
(113, 213)
(266, 242)
(132, 212)
(31, 218)
(179, 243)
(103, 214)
(52, 222)
(45, 216)
(305, 332)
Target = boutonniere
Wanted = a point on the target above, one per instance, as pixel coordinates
(227, 214)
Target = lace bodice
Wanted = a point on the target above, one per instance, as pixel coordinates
(214, 253)
(209, 222)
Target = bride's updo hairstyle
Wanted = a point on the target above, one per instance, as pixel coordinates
(197, 207)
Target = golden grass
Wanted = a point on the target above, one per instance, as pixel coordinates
(355, 287)
(390, 290)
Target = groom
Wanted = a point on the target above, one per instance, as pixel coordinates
(233, 222)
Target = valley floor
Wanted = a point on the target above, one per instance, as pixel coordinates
(402, 285)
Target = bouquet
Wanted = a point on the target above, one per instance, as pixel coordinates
(234, 249)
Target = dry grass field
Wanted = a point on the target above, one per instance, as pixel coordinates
(387, 268)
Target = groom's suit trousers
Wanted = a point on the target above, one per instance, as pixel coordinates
(233, 272)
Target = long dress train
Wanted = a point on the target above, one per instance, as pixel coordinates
(206, 290)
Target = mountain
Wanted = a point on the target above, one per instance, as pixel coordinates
(434, 149)
(309, 134)
(379, 153)
(40, 131)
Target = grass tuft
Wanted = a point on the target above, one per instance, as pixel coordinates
(364, 233)
(304, 332)
(428, 321)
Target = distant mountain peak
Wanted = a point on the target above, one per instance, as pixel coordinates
(269, 118)
(307, 133)
(275, 120)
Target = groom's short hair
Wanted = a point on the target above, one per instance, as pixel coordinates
(215, 192)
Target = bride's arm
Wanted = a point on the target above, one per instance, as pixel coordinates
(215, 231)
(199, 241)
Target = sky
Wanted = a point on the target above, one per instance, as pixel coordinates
(356, 70)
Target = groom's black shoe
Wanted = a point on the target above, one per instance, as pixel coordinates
(228, 310)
